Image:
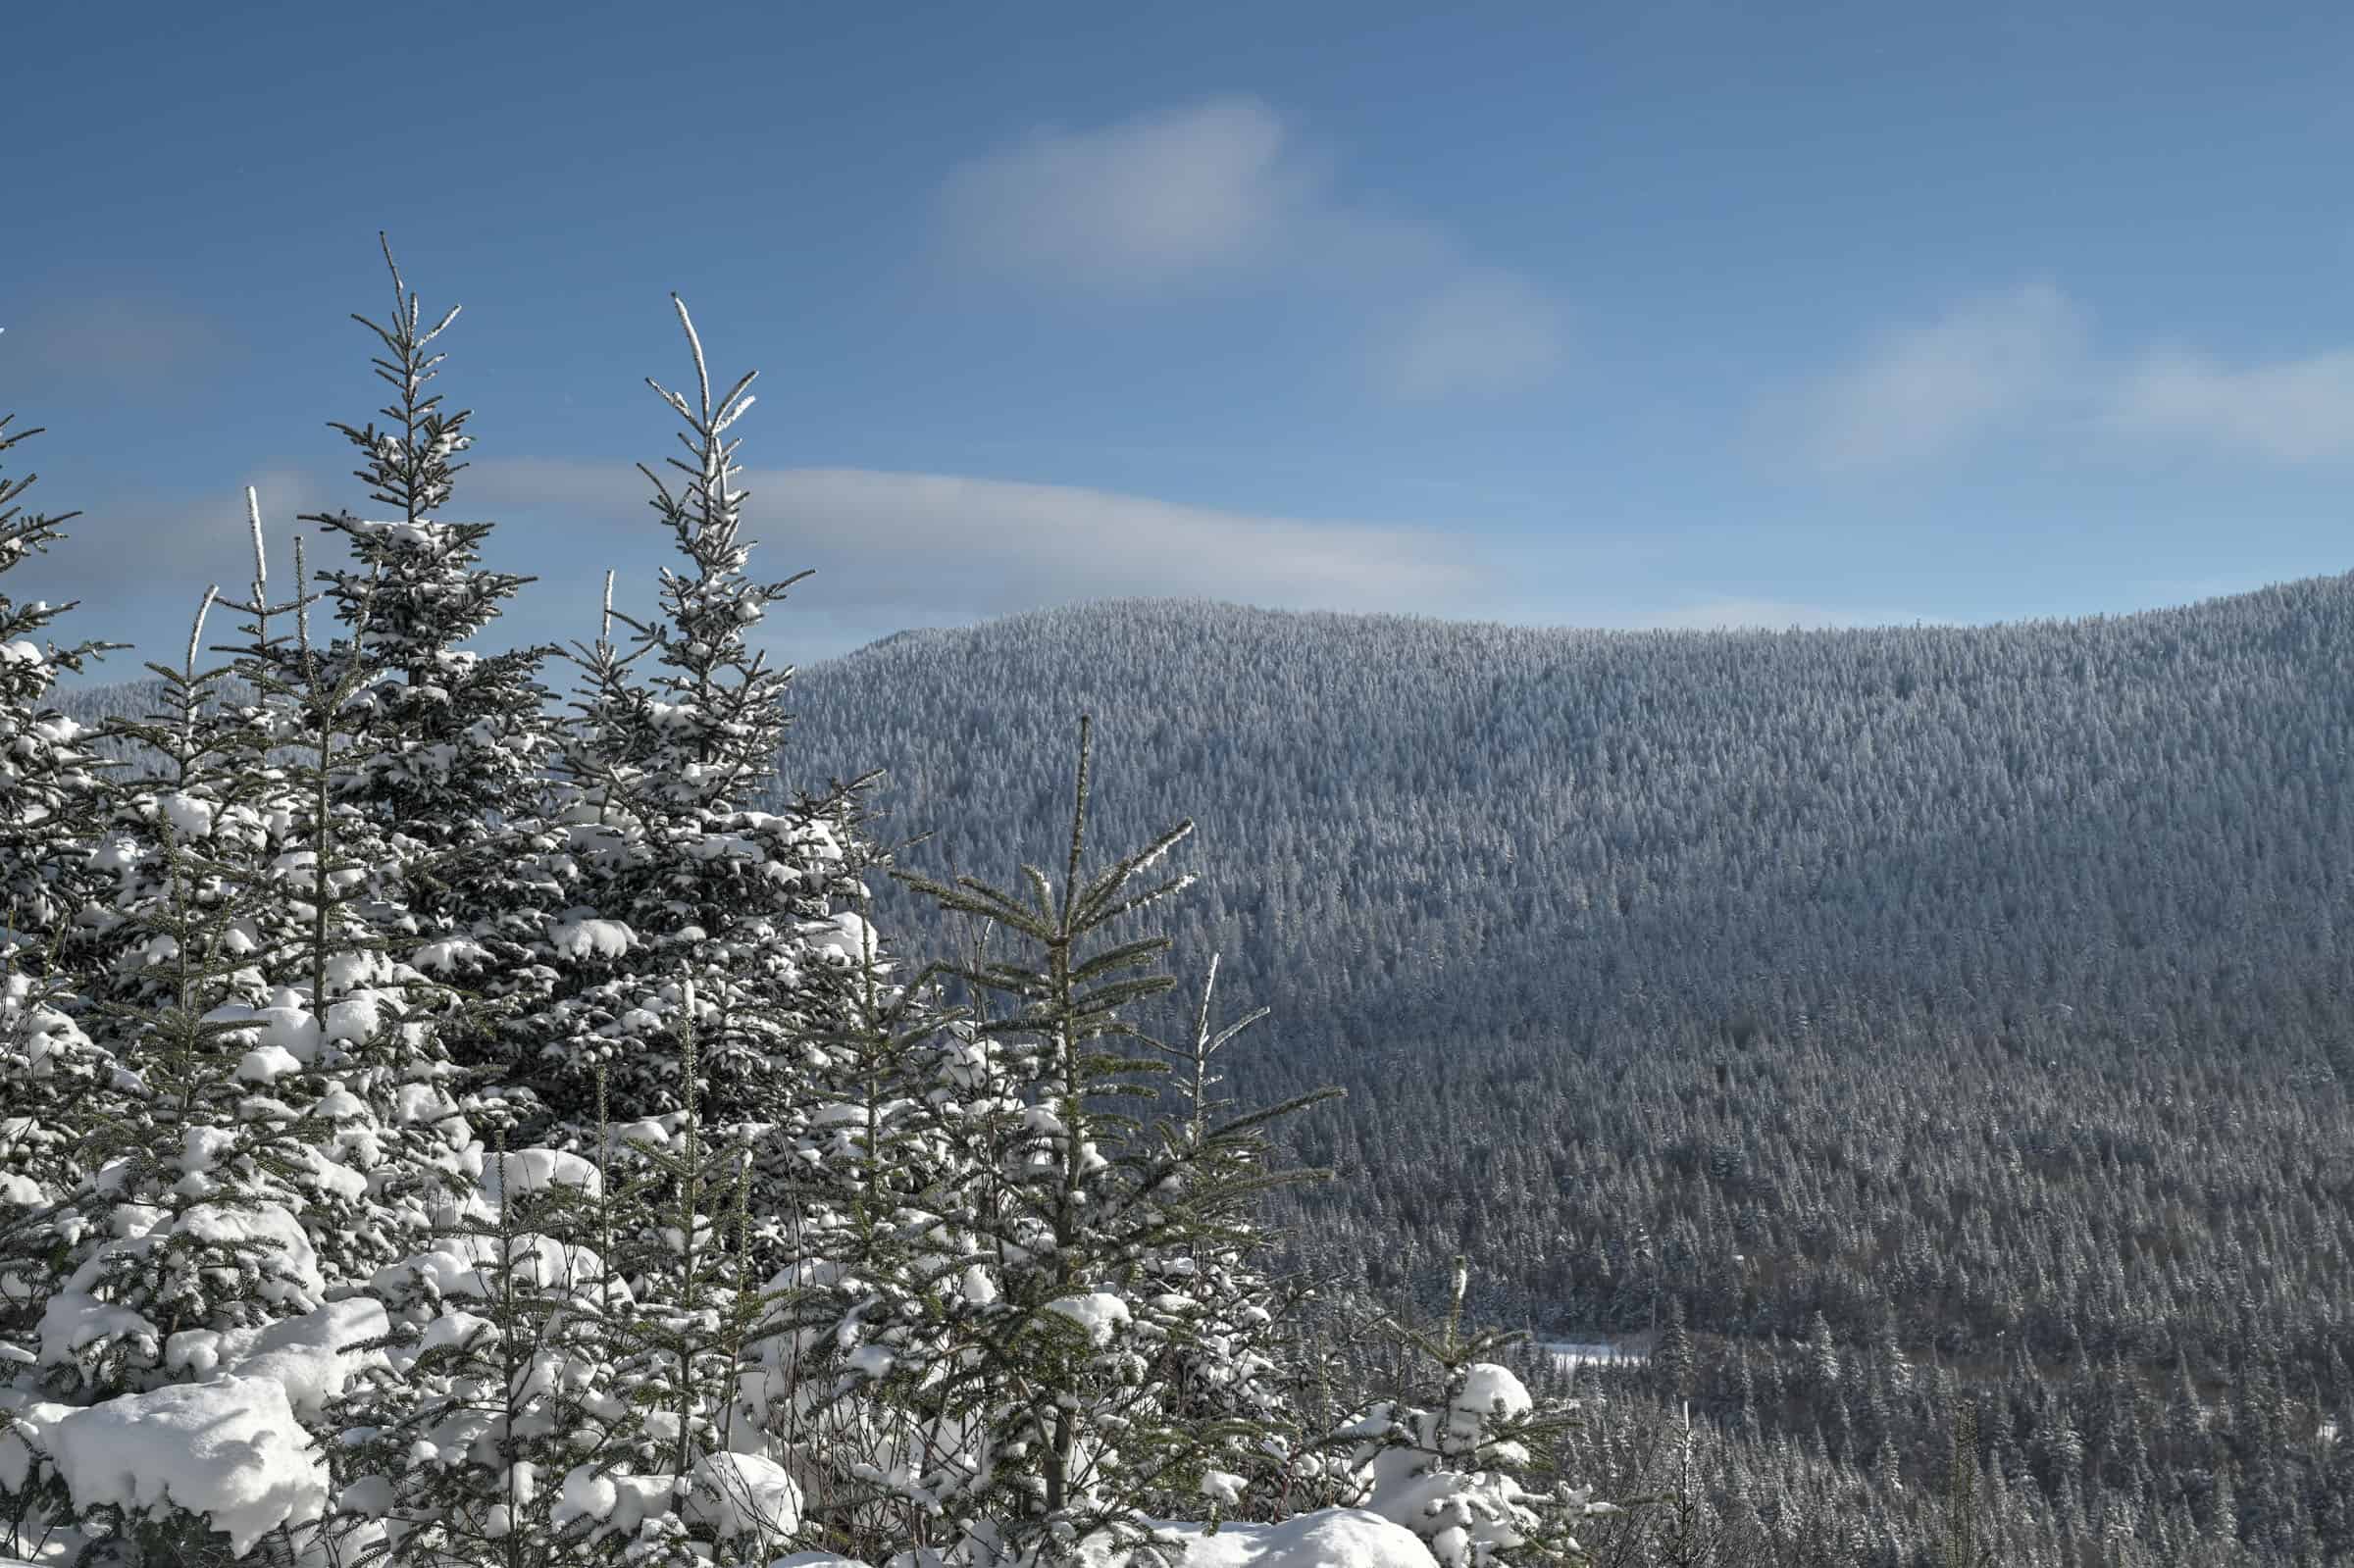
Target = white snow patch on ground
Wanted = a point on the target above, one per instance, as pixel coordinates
(1572, 1353)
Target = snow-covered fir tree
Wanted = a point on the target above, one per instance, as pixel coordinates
(639, 856)
(355, 1013)
(1070, 1397)
(697, 1321)
(671, 870)
(276, 1127)
(859, 1328)
(48, 779)
(183, 1241)
(562, 1383)
(1242, 1361)
(50, 802)
(186, 1223)
(1467, 1462)
(452, 742)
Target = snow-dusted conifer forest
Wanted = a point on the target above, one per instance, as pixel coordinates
(458, 1110)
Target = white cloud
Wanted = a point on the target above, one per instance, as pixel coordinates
(1488, 331)
(942, 545)
(2294, 410)
(1136, 204)
(1920, 391)
(1224, 192)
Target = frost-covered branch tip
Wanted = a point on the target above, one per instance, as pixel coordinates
(261, 557)
(695, 345)
(212, 591)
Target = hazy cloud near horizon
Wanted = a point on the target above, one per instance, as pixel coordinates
(946, 544)
(892, 551)
(121, 347)
(895, 551)
(144, 545)
(1755, 615)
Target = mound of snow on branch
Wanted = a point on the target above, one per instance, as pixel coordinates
(229, 1450)
(744, 1494)
(310, 1357)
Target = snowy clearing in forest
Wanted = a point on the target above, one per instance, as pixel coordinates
(1572, 1353)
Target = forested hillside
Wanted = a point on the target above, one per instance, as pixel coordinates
(1964, 995)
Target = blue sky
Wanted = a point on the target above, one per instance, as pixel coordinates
(1673, 314)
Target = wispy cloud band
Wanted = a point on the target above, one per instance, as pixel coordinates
(2023, 362)
(2296, 410)
(1921, 391)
